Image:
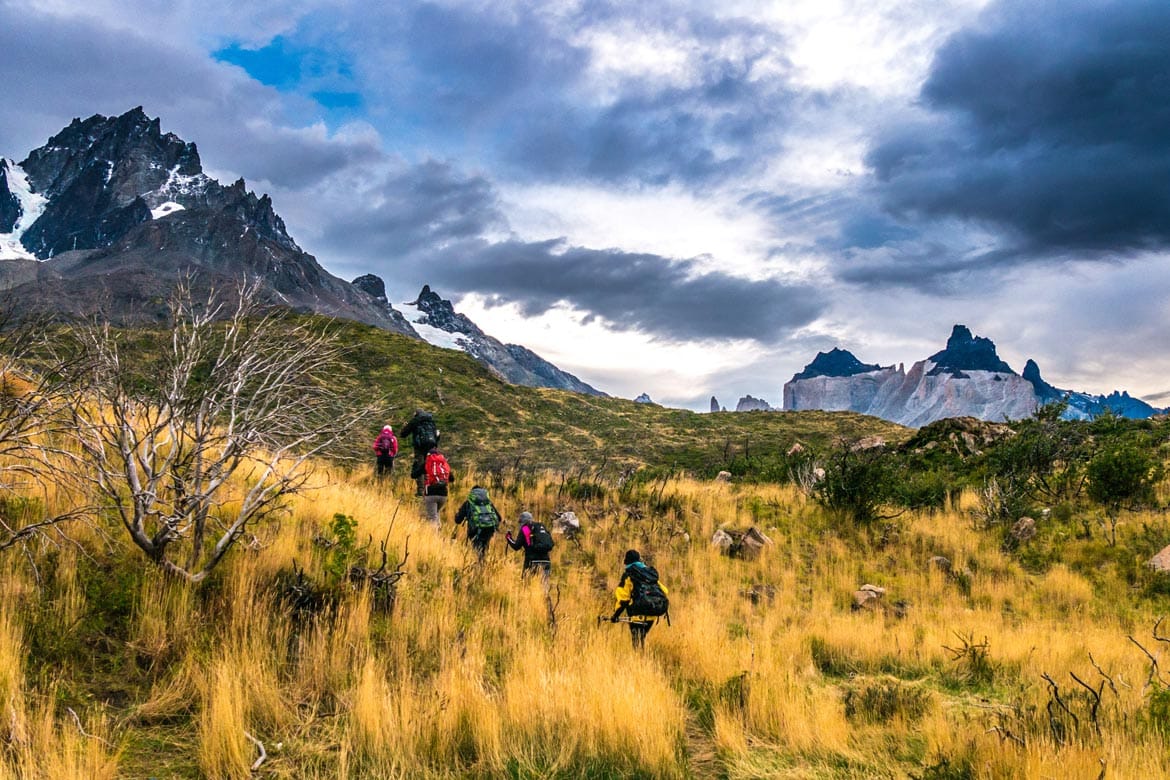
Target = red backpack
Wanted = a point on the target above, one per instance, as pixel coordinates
(438, 470)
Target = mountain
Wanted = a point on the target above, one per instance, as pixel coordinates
(965, 379)
(111, 213)
(436, 321)
(1082, 406)
(750, 404)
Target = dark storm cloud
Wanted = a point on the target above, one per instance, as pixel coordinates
(417, 209)
(1048, 125)
(669, 299)
(524, 90)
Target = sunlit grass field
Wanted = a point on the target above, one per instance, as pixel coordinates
(109, 670)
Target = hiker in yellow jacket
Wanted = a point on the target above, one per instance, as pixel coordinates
(640, 595)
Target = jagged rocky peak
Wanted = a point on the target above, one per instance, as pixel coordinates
(714, 404)
(372, 284)
(104, 176)
(1044, 390)
(835, 362)
(440, 313)
(965, 352)
(750, 404)
(644, 398)
(130, 150)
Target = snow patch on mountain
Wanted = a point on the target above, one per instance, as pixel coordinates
(429, 333)
(32, 205)
(170, 207)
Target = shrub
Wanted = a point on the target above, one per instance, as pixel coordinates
(883, 700)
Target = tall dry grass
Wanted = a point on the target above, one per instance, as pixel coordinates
(765, 672)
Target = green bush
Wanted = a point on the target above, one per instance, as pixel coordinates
(882, 700)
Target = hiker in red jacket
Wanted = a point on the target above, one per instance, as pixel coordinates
(386, 448)
(436, 476)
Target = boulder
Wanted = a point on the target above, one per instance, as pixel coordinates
(868, 597)
(1024, 529)
(723, 541)
(746, 545)
(723, 476)
(567, 524)
(1161, 561)
(940, 563)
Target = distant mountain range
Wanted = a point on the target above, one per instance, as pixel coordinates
(965, 379)
(111, 213)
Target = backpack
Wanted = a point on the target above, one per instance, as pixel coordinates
(424, 435)
(437, 469)
(539, 539)
(483, 514)
(386, 444)
(647, 597)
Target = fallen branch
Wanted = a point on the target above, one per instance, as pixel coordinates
(263, 753)
(81, 728)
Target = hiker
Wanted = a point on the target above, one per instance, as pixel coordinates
(436, 475)
(424, 437)
(386, 448)
(641, 596)
(482, 520)
(536, 542)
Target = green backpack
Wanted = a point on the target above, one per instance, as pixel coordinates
(483, 514)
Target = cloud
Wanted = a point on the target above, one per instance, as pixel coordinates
(410, 211)
(630, 291)
(1044, 123)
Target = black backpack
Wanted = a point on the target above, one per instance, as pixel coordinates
(647, 597)
(483, 514)
(540, 540)
(424, 435)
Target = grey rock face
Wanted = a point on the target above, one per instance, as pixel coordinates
(104, 248)
(644, 398)
(749, 404)
(961, 386)
(714, 404)
(9, 205)
(516, 364)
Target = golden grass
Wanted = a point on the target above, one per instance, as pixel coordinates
(466, 676)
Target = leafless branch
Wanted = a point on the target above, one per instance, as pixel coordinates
(259, 746)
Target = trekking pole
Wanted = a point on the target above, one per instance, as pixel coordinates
(607, 619)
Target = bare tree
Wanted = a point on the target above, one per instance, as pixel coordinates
(31, 399)
(194, 444)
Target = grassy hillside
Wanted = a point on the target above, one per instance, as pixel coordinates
(107, 670)
(498, 425)
(1025, 655)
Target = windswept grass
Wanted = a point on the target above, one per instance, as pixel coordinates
(766, 670)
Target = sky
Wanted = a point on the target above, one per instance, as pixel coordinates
(680, 198)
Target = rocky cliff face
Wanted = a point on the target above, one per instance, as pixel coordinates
(965, 379)
(750, 404)
(119, 212)
(435, 319)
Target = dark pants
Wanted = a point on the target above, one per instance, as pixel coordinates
(479, 538)
(638, 632)
(533, 566)
(385, 466)
(418, 470)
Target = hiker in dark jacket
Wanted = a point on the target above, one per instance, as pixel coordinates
(482, 520)
(386, 448)
(424, 436)
(536, 542)
(635, 572)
